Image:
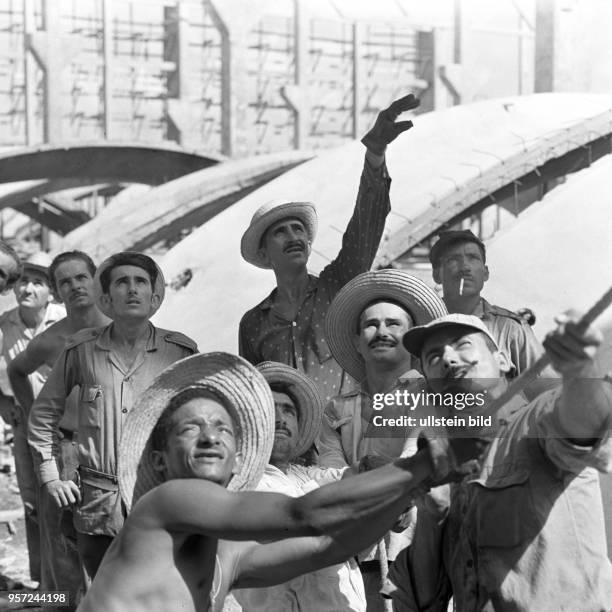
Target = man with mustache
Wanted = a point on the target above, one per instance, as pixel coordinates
(34, 314)
(193, 447)
(71, 275)
(287, 326)
(458, 262)
(365, 326)
(111, 365)
(524, 531)
(298, 410)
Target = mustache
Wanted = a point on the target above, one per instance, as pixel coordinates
(283, 429)
(458, 372)
(295, 243)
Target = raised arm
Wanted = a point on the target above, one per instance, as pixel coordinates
(584, 407)
(364, 231)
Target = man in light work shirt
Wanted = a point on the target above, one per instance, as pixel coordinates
(298, 410)
(458, 261)
(365, 326)
(288, 325)
(112, 365)
(525, 530)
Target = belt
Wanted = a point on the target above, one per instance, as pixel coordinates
(66, 434)
(101, 480)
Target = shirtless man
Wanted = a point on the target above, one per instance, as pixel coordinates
(188, 540)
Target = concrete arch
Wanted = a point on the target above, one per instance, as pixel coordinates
(102, 162)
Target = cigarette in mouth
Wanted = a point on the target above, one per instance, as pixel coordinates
(461, 286)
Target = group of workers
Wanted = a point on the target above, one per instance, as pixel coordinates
(157, 478)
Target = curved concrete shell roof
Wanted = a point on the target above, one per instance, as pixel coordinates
(447, 161)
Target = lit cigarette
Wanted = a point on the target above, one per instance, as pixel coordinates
(461, 286)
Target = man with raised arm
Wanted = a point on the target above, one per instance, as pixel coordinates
(525, 530)
(204, 426)
(288, 325)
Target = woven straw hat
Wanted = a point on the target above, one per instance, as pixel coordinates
(307, 396)
(227, 376)
(343, 315)
(159, 289)
(267, 215)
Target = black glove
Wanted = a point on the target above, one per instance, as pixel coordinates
(385, 129)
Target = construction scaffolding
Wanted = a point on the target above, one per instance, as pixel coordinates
(197, 72)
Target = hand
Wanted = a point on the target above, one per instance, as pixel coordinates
(385, 129)
(571, 348)
(451, 458)
(63, 492)
(371, 462)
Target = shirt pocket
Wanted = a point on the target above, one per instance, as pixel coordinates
(90, 406)
(505, 513)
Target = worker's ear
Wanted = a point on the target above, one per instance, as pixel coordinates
(158, 461)
(237, 464)
(503, 361)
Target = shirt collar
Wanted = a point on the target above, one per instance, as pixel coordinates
(153, 341)
(310, 288)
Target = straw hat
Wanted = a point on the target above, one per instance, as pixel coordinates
(228, 376)
(267, 215)
(306, 394)
(159, 289)
(39, 261)
(343, 315)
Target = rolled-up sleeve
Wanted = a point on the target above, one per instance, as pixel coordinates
(329, 446)
(561, 451)
(45, 415)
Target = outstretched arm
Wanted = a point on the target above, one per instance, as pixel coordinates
(197, 506)
(584, 408)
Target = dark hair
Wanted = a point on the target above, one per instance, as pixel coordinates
(386, 301)
(69, 256)
(128, 259)
(287, 389)
(454, 242)
(159, 435)
(13, 276)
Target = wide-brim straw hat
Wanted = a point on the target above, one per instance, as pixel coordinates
(267, 215)
(159, 289)
(422, 302)
(243, 390)
(306, 395)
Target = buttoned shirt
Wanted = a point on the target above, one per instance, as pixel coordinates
(15, 337)
(527, 531)
(266, 335)
(331, 589)
(109, 388)
(348, 433)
